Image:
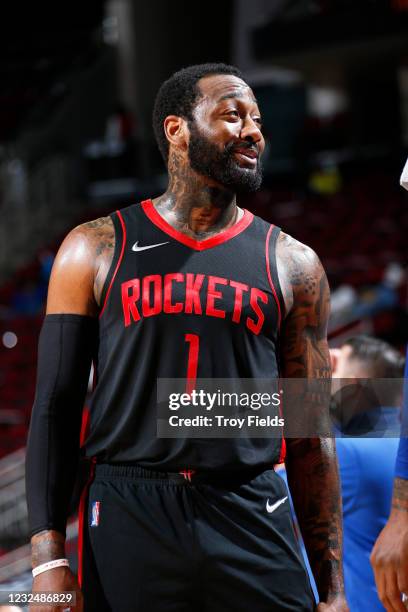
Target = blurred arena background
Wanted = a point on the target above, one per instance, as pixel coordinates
(77, 83)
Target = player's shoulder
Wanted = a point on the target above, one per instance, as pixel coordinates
(97, 237)
(297, 253)
(86, 242)
(94, 229)
(300, 271)
(290, 249)
(299, 260)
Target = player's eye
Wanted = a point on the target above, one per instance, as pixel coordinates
(232, 113)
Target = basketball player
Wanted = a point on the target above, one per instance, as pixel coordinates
(389, 557)
(187, 285)
(366, 482)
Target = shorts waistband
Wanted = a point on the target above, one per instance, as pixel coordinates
(105, 471)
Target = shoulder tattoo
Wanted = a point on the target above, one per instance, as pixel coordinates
(101, 234)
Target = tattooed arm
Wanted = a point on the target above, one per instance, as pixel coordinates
(80, 269)
(390, 553)
(77, 278)
(311, 461)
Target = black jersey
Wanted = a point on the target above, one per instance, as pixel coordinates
(175, 307)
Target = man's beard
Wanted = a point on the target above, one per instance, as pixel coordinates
(207, 159)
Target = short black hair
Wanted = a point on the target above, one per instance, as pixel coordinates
(381, 359)
(178, 95)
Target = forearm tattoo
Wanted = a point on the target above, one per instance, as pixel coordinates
(311, 461)
(47, 546)
(400, 495)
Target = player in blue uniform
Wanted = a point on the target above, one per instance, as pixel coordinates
(390, 554)
(366, 448)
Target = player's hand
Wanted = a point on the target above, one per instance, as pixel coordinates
(57, 580)
(339, 604)
(389, 560)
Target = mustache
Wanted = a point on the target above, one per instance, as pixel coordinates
(234, 146)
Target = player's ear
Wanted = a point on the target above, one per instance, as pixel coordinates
(334, 359)
(176, 131)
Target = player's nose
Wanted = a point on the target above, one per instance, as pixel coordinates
(251, 132)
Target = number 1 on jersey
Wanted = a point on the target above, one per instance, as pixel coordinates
(192, 362)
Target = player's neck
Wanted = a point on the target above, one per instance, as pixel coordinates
(194, 204)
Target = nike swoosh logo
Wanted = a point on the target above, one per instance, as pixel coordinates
(137, 248)
(272, 507)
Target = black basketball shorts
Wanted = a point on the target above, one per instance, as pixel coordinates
(155, 542)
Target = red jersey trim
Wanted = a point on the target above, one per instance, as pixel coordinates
(268, 271)
(198, 245)
(82, 514)
(85, 424)
(282, 455)
(119, 261)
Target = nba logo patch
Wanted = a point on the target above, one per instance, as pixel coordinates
(95, 514)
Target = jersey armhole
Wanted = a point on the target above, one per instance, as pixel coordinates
(120, 241)
(272, 270)
(272, 273)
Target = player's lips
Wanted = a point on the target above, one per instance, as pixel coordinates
(248, 155)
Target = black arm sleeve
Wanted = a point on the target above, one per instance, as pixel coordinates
(66, 347)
